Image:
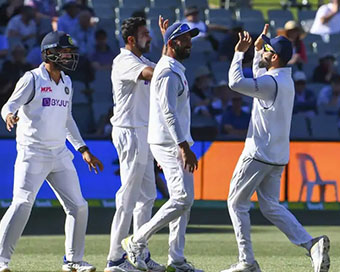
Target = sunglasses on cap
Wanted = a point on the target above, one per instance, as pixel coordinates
(180, 29)
(267, 48)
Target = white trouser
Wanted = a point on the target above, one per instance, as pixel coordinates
(138, 190)
(176, 211)
(250, 176)
(32, 167)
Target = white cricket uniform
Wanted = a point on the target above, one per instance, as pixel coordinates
(169, 125)
(265, 153)
(129, 135)
(46, 121)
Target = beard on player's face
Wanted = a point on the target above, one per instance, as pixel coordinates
(143, 46)
(265, 62)
(182, 52)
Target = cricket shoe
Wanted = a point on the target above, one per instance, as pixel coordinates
(135, 253)
(182, 267)
(4, 267)
(244, 267)
(154, 266)
(319, 254)
(81, 266)
(121, 265)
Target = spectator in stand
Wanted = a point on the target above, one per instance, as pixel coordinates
(235, 120)
(34, 55)
(294, 32)
(69, 18)
(192, 18)
(227, 45)
(84, 33)
(23, 25)
(329, 96)
(324, 72)
(201, 95)
(103, 55)
(11, 71)
(305, 99)
(327, 19)
(9, 9)
(222, 92)
(43, 7)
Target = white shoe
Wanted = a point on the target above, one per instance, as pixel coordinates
(182, 267)
(319, 254)
(120, 266)
(135, 253)
(4, 267)
(244, 267)
(154, 266)
(81, 266)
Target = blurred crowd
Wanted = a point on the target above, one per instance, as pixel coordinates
(217, 112)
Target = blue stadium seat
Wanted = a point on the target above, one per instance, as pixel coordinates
(251, 19)
(306, 18)
(123, 13)
(278, 17)
(166, 4)
(201, 4)
(219, 16)
(140, 4)
(102, 86)
(78, 96)
(167, 13)
(324, 127)
(104, 8)
(299, 129)
(100, 108)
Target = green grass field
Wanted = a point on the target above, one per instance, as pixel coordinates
(211, 248)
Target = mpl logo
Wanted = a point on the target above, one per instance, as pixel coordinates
(46, 89)
(52, 102)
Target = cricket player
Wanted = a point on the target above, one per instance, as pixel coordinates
(41, 107)
(170, 140)
(266, 150)
(131, 75)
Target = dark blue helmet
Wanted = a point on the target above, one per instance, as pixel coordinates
(51, 50)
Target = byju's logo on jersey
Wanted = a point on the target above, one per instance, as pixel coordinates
(52, 102)
(46, 89)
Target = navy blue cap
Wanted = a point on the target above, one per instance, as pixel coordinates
(281, 45)
(178, 29)
(57, 39)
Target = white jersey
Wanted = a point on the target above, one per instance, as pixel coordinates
(273, 92)
(269, 127)
(169, 104)
(131, 95)
(331, 27)
(44, 109)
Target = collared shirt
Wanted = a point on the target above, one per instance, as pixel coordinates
(273, 92)
(169, 104)
(44, 111)
(131, 95)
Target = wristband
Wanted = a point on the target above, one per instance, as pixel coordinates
(83, 148)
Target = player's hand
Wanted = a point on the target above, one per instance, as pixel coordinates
(11, 120)
(244, 42)
(163, 24)
(189, 157)
(92, 161)
(259, 41)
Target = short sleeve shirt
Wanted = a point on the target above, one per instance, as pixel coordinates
(131, 95)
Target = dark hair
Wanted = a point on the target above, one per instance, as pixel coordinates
(130, 27)
(139, 13)
(100, 33)
(282, 62)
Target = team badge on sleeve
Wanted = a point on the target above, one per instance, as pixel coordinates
(67, 90)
